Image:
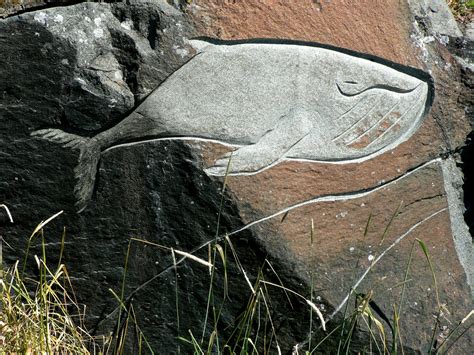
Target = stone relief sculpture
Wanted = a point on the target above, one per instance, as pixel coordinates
(274, 101)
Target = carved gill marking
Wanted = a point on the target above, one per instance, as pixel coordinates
(354, 125)
(349, 110)
(417, 102)
(376, 124)
(366, 140)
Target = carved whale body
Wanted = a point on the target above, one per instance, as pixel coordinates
(275, 101)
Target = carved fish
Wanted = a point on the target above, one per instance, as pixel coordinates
(275, 101)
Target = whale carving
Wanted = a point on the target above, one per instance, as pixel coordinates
(274, 101)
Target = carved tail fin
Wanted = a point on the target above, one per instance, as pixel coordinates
(86, 170)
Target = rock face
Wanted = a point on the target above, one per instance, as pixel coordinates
(344, 149)
(12, 7)
(436, 16)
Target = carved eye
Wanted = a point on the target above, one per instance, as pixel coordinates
(352, 88)
(349, 88)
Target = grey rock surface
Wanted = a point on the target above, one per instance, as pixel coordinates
(437, 17)
(110, 57)
(276, 101)
(58, 68)
(453, 182)
(470, 31)
(158, 191)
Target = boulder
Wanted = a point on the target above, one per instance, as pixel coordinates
(325, 224)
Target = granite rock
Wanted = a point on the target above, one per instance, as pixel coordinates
(84, 69)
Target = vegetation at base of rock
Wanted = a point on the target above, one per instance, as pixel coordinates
(41, 314)
(364, 328)
(463, 10)
(40, 320)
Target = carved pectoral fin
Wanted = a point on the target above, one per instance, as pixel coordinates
(270, 148)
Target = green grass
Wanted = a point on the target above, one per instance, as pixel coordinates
(463, 10)
(42, 314)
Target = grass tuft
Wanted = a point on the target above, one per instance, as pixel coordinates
(41, 315)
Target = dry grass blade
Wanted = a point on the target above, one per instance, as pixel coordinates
(467, 317)
(122, 327)
(280, 281)
(376, 260)
(318, 312)
(425, 251)
(38, 228)
(449, 337)
(37, 319)
(176, 296)
(8, 212)
(44, 223)
(179, 252)
(271, 320)
(311, 304)
(193, 257)
(395, 214)
(222, 254)
(367, 225)
(241, 268)
(369, 317)
(254, 347)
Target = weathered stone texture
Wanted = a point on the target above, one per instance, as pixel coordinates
(339, 226)
(8, 7)
(12, 7)
(381, 29)
(83, 68)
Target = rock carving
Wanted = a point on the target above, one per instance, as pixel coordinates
(275, 101)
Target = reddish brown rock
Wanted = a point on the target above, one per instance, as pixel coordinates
(382, 28)
(341, 253)
(396, 182)
(157, 191)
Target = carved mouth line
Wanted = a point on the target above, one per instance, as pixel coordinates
(378, 86)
